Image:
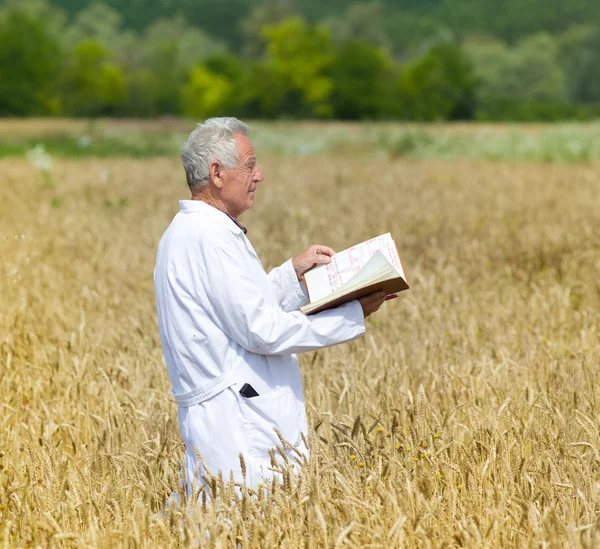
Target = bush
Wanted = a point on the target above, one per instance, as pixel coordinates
(363, 82)
(439, 86)
(29, 61)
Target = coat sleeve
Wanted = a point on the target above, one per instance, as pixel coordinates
(240, 307)
(289, 292)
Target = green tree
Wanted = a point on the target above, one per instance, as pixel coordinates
(94, 85)
(409, 34)
(113, 89)
(222, 85)
(206, 94)
(438, 86)
(361, 21)
(219, 18)
(243, 97)
(170, 48)
(269, 13)
(536, 66)
(410, 24)
(169, 75)
(102, 24)
(143, 94)
(81, 78)
(513, 20)
(54, 19)
(523, 82)
(579, 56)
(294, 80)
(363, 79)
(29, 61)
(191, 44)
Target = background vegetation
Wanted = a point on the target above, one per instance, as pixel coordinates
(466, 416)
(341, 59)
(556, 143)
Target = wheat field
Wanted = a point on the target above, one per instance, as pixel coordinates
(467, 416)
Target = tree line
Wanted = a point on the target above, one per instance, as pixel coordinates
(366, 62)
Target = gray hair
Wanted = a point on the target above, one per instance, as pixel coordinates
(211, 142)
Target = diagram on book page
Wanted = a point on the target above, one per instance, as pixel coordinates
(326, 279)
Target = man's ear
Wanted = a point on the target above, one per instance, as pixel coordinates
(216, 174)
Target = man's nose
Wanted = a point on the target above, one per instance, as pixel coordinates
(258, 176)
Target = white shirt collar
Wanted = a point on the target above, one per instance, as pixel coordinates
(217, 216)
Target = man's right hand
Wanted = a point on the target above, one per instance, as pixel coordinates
(370, 303)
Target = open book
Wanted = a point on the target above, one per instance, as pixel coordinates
(358, 271)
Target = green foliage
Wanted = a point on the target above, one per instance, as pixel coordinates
(189, 45)
(170, 49)
(52, 18)
(439, 86)
(523, 82)
(219, 18)
(170, 76)
(527, 71)
(205, 94)
(298, 58)
(405, 23)
(29, 61)
(82, 77)
(363, 78)
(348, 59)
(100, 23)
(411, 34)
(112, 89)
(531, 110)
(222, 85)
(512, 20)
(265, 14)
(144, 91)
(362, 21)
(580, 59)
(94, 85)
(243, 96)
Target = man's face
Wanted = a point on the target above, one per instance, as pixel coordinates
(239, 183)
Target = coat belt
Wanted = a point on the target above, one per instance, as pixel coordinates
(208, 390)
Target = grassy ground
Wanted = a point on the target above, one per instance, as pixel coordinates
(465, 417)
(559, 143)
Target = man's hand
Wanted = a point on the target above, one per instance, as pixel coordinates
(314, 256)
(370, 303)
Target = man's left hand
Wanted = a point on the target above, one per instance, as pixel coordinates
(314, 256)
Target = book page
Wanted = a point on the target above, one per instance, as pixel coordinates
(378, 269)
(326, 279)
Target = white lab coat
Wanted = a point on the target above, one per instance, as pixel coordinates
(224, 322)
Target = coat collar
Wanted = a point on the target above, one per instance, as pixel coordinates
(215, 215)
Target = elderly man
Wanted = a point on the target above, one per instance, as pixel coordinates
(229, 330)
